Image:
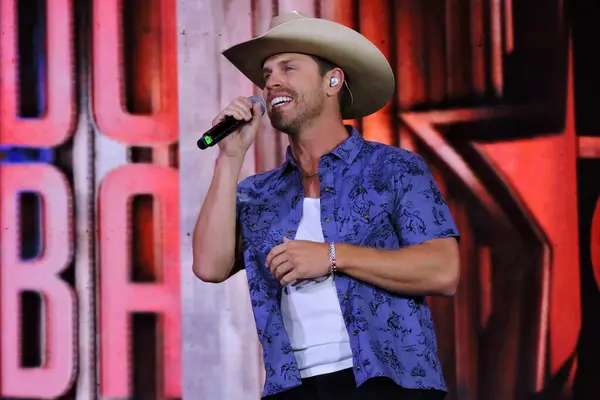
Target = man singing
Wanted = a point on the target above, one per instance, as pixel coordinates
(344, 240)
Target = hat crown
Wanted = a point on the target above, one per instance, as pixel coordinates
(286, 17)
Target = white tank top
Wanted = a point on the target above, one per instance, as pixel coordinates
(311, 312)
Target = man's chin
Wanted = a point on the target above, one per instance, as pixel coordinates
(283, 130)
(279, 125)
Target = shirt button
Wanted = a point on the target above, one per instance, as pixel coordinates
(327, 219)
(354, 333)
(345, 297)
(367, 216)
(358, 368)
(289, 231)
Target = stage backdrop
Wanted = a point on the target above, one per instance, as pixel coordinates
(101, 104)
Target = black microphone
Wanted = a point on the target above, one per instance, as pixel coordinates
(224, 128)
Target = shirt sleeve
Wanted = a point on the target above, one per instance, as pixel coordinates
(241, 197)
(420, 211)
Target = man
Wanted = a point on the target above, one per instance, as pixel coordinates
(342, 242)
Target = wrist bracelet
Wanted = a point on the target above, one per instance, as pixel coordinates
(332, 264)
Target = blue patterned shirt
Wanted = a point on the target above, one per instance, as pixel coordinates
(371, 195)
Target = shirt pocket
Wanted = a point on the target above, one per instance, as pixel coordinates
(258, 226)
(262, 221)
(360, 214)
(371, 221)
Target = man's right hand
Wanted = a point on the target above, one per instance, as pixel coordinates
(237, 144)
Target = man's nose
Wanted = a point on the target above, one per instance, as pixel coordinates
(272, 82)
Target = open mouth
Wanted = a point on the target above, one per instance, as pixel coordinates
(280, 101)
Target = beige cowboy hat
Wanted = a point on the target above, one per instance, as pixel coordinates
(370, 77)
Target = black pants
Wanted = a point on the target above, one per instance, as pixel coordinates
(342, 386)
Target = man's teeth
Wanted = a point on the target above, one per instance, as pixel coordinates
(278, 101)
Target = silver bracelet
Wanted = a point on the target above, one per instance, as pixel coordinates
(332, 264)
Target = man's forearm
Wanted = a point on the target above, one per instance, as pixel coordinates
(430, 268)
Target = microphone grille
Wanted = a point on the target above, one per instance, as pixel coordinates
(263, 105)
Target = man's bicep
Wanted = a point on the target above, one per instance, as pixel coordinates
(420, 210)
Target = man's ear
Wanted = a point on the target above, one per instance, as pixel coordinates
(335, 81)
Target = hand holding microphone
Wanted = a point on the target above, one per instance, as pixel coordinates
(234, 129)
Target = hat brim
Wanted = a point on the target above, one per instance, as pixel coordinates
(370, 77)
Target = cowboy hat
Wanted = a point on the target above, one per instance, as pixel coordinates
(369, 76)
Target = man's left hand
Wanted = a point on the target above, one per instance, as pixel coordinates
(296, 260)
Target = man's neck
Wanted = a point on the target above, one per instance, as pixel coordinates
(315, 140)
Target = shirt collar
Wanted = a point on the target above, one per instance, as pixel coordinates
(346, 151)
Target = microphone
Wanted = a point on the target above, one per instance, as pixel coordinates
(224, 128)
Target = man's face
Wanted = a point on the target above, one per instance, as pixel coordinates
(294, 91)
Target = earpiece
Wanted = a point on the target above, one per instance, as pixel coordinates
(334, 81)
